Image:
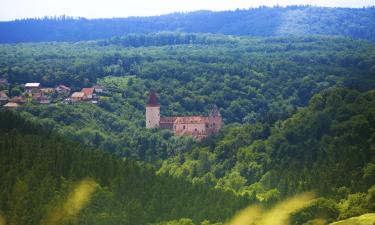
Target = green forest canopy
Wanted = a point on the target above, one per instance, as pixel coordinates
(299, 115)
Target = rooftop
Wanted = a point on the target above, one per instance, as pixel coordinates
(3, 95)
(88, 91)
(63, 87)
(11, 105)
(78, 95)
(153, 101)
(191, 119)
(32, 85)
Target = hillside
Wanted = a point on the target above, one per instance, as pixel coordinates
(249, 79)
(298, 113)
(263, 21)
(327, 147)
(38, 170)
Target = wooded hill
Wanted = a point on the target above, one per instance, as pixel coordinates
(38, 169)
(249, 79)
(327, 147)
(299, 116)
(263, 21)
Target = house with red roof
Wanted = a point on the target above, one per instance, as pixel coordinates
(89, 93)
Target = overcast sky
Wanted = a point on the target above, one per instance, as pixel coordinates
(13, 9)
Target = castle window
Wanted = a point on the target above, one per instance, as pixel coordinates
(183, 127)
(196, 129)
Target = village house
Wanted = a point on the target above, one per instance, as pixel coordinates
(98, 89)
(36, 96)
(11, 105)
(89, 93)
(78, 96)
(3, 98)
(62, 89)
(44, 100)
(32, 87)
(47, 91)
(197, 127)
(18, 99)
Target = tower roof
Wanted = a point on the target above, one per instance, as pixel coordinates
(153, 101)
(215, 111)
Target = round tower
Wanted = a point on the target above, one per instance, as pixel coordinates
(152, 111)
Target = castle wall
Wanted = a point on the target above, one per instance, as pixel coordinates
(152, 116)
(189, 128)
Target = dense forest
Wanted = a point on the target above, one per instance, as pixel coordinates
(249, 79)
(38, 169)
(298, 113)
(327, 147)
(263, 21)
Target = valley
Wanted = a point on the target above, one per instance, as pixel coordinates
(270, 118)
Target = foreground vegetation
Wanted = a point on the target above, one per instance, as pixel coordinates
(38, 170)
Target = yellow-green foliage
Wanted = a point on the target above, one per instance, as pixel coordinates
(365, 219)
(278, 215)
(183, 221)
(73, 204)
(2, 219)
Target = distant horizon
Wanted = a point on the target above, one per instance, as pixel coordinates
(37, 9)
(177, 12)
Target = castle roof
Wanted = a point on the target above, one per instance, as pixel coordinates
(191, 120)
(153, 101)
(168, 119)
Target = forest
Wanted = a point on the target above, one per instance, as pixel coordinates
(298, 113)
(263, 21)
(39, 168)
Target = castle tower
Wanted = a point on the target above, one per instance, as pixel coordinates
(152, 111)
(215, 120)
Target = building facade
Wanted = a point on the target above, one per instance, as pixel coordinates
(198, 127)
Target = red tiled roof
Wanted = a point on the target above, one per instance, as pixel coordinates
(169, 119)
(88, 91)
(153, 101)
(191, 119)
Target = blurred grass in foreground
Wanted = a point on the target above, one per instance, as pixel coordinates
(75, 201)
(2, 219)
(277, 215)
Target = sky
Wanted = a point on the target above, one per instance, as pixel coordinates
(16, 9)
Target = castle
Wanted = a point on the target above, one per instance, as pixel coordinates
(198, 127)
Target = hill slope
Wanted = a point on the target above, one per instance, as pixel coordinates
(37, 171)
(327, 147)
(264, 21)
(249, 79)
